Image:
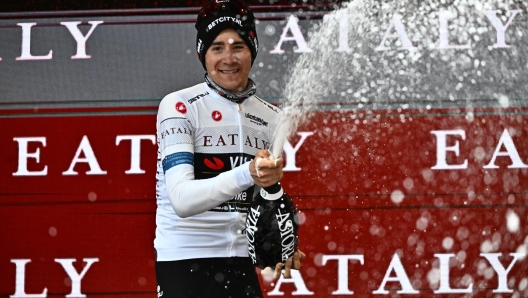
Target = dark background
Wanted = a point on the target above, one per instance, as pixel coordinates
(65, 5)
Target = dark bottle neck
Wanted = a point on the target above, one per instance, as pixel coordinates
(275, 188)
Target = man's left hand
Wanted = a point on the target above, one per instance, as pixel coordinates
(291, 263)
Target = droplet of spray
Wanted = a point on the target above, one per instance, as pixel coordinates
(301, 217)
(512, 221)
(504, 101)
(422, 223)
(433, 277)
(142, 281)
(486, 246)
(397, 196)
(447, 243)
(523, 284)
(92, 196)
(408, 183)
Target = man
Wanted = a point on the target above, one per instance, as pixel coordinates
(209, 138)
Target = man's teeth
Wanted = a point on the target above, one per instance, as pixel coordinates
(228, 71)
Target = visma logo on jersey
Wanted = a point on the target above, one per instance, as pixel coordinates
(216, 164)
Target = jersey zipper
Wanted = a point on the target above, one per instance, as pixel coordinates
(240, 131)
(235, 219)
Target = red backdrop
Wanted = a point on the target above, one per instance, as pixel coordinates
(366, 187)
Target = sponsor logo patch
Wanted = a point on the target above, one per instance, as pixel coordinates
(197, 97)
(223, 19)
(216, 164)
(254, 39)
(256, 120)
(216, 115)
(180, 107)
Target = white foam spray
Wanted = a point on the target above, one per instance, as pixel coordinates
(392, 57)
(309, 79)
(450, 59)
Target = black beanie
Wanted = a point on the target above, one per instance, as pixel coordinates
(218, 15)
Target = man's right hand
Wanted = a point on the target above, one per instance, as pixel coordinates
(264, 171)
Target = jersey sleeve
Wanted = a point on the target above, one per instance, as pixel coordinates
(176, 140)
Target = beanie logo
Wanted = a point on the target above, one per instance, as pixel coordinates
(253, 39)
(255, 42)
(199, 46)
(223, 19)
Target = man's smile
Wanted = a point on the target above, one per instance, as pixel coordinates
(229, 71)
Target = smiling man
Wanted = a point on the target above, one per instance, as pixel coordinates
(208, 142)
(228, 61)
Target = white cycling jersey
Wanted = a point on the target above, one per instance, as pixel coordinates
(204, 188)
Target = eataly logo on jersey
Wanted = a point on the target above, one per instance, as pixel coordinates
(292, 32)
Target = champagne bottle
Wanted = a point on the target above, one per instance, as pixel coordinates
(272, 227)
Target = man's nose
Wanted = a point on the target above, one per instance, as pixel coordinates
(229, 56)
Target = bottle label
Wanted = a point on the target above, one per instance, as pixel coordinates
(286, 234)
(271, 196)
(251, 228)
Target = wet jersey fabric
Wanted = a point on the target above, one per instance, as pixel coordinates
(203, 184)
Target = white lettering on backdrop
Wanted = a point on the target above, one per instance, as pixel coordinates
(400, 277)
(72, 27)
(86, 154)
(67, 265)
(442, 148)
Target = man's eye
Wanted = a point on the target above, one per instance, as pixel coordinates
(216, 48)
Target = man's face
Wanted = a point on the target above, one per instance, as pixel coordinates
(228, 61)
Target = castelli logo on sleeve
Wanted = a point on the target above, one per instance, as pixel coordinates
(180, 107)
(217, 116)
(216, 164)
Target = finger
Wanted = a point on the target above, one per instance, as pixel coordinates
(271, 164)
(297, 260)
(287, 268)
(267, 274)
(279, 162)
(258, 160)
(257, 165)
(302, 255)
(263, 154)
(278, 269)
(265, 163)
